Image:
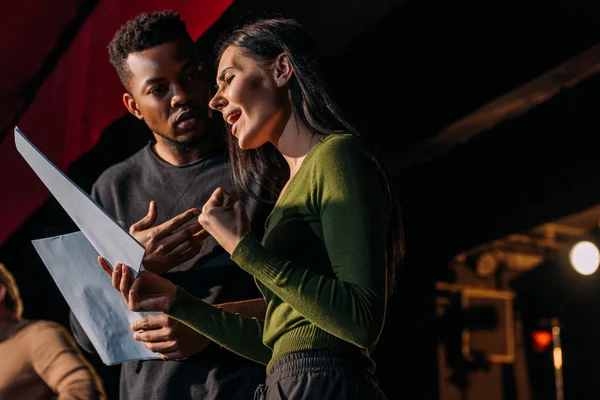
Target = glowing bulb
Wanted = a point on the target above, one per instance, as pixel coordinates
(557, 356)
(585, 257)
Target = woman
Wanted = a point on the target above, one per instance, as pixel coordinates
(330, 244)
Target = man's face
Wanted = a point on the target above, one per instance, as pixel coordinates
(169, 90)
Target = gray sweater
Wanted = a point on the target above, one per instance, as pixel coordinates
(125, 191)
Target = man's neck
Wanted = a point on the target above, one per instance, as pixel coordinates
(180, 156)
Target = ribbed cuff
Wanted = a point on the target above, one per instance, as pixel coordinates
(253, 258)
(191, 310)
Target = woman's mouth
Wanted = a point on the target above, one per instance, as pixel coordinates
(232, 119)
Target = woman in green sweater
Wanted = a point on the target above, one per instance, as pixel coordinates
(326, 261)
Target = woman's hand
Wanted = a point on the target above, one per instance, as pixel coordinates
(224, 217)
(148, 292)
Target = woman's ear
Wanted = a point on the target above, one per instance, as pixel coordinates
(282, 70)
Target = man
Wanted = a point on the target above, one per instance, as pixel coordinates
(156, 194)
(40, 360)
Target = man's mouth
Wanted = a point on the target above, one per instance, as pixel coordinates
(187, 119)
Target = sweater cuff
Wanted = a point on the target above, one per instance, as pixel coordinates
(189, 309)
(253, 258)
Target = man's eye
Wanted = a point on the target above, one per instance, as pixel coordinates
(157, 90)
(196, 74)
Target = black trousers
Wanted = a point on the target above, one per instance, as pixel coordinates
(319, 375)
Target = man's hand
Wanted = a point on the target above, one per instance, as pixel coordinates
(168, 337)
(174, 340)
(147, 292)
(166, 246)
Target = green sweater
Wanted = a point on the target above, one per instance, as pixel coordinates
(321, 265)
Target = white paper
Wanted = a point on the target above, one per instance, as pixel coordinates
(99, 308)
(109, 239)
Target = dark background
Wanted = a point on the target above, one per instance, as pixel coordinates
(403, 73)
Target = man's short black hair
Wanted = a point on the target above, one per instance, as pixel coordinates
(141, 33)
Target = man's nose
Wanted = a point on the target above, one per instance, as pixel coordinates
(180, 97)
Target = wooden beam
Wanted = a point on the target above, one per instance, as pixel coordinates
(510, 105)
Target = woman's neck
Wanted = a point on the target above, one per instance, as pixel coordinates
(295, 142)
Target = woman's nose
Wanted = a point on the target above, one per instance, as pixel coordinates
(218, 102)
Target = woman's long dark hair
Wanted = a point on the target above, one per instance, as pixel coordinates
(263, 41)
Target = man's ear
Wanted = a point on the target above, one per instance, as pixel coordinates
(282, 70)
(131, 105)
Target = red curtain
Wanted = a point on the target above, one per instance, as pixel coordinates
(79, 99)
(24, 48)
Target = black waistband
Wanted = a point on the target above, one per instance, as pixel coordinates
(319, 361)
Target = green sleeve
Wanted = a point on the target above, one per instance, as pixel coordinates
(242, 335)
(351, 197)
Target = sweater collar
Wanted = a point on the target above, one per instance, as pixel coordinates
(201, 160)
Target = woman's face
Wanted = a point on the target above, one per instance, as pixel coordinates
(250, 99)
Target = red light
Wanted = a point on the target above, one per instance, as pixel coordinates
(541, 340)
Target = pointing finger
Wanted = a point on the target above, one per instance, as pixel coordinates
(148, 220)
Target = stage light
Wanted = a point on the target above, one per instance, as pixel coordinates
(541, 340)
(557, 351)
(585, 257)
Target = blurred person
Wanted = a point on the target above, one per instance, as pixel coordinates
(39, 359)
